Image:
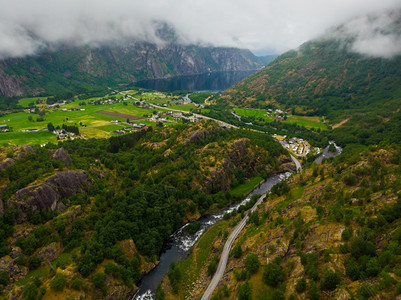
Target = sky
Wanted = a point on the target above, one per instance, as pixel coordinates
(263, 26)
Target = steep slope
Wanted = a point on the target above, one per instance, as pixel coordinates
(85, 68)
(330, 232)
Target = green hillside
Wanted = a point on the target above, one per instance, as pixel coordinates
(102, 208)
(332, 232)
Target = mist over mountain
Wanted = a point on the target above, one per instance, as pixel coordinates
(30, 27)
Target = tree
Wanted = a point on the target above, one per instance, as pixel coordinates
(273, 274)
(332, 148)
(252, 263)
(30, 119)
(237, 251)
(50, 127)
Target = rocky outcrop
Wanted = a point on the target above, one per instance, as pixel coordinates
(197, 135)
(9, 84)
(17, 153)
(23, 150)
(50, 252)
(48, 195)
(4, 164)
(62, 155)
(14, 271)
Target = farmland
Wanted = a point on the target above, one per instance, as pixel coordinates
(306, 121)
(93, 116)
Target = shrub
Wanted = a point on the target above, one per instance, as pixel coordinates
(76, 284)
(34, 262)
(330, 281)
(301, 285)
(237, 251)
(365, 292)
(4, 277)
(58, 282)
(211, 269)
(99, 279)
(252, 263)
(244, 291)
(273, 274)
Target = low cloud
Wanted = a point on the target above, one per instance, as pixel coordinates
(374, 35)
(27, 27)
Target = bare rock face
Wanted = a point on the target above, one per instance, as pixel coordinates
(62, 155)
(197, 135)
(50, 252)
(14, 271)
(115, 292)
(48, 195)
(15, 252)
(4, 164)
(24, 150)
(10, 84)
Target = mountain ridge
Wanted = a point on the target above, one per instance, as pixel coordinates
(78, 69)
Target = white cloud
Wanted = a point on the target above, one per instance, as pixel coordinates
(27, 26)
(376, 35)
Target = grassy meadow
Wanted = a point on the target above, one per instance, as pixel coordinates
(308, 122)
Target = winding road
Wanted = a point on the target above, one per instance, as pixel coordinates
(226, 251)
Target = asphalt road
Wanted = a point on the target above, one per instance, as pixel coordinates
(226, 251)
(297, 163)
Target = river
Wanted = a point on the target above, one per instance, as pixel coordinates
(211, 82)
(180, 243)
(327, 154)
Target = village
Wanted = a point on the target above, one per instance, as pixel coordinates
(297, 146)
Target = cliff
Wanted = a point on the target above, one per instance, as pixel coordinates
(48, 195)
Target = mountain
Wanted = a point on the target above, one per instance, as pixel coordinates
(81, 69)
(319, 78)
(351, 76)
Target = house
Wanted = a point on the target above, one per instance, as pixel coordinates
(114, 121)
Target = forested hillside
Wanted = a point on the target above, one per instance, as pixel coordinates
(90, 218)
(359, 96)
(330, 232)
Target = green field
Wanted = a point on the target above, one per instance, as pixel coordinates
(87, 118)
(19, 138)
(24, 102)
(308, 122)
(250, 112)
(184, 107)
(247, 187)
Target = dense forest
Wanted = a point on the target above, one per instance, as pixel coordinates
(141, 186)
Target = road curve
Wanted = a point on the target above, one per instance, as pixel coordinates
(226, 251)
(297, 163)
